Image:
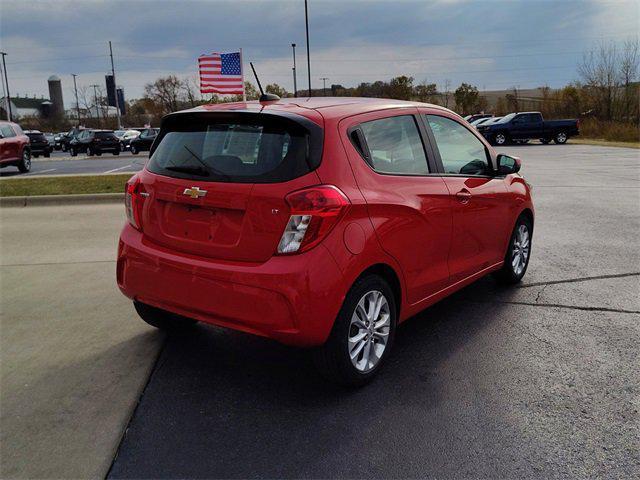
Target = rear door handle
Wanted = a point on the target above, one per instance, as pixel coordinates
(463, 196)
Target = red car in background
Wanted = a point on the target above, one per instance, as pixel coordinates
(14, 147)
(320, 222)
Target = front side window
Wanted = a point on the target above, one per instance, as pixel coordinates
(7, 131)
(462, 153)
(395, 146)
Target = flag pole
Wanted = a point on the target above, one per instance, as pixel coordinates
(244, 93)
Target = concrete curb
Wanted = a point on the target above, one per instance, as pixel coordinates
(44, 200)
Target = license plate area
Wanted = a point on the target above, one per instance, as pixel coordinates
(201, 224)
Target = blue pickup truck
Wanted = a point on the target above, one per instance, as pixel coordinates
(529, 125)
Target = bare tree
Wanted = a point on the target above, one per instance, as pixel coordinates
(167, 93)
(446, 94)
(599, 71)
(629, 65)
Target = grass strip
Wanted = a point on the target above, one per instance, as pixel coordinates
(63, 185)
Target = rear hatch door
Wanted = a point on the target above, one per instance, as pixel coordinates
(215, 183)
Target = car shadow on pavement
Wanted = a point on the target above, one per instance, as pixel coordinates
(224, 404)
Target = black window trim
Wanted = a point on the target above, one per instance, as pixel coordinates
(440, 165)
(366, 155)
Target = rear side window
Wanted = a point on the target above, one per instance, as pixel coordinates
(395, 146)
(260, 150)
(462, 153)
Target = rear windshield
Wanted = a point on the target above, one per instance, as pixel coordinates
(36, 136)
(104, 134)
(243, 150)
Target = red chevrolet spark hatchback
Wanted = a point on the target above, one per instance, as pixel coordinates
(319, 222)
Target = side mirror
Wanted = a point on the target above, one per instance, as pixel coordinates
(508, 164)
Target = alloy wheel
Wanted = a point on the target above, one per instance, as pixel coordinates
(520, 250)
(561, 137)
(26, 160)
(501, 139)
(369, 331)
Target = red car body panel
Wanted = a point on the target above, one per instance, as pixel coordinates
(11, 148)
(426, 239)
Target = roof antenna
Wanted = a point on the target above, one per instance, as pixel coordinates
(264, 97)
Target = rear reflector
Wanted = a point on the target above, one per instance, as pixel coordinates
(313, 213)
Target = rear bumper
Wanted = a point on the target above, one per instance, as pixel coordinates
(292, 299)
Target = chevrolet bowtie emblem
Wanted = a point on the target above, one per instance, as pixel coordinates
(194, 192)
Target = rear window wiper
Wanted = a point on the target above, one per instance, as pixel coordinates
(200, 171)
(208, 167)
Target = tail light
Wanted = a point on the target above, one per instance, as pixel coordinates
(134, 196)
(313, 213)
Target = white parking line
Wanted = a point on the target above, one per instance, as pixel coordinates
(45, 171)
(116, 169)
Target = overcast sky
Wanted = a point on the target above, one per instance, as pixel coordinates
(491, 44)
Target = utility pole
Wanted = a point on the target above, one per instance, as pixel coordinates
(115, 87)
(324, 85)
(306, 21)
(295, 81)
(75, 87)
(6, 82)
(95, 99)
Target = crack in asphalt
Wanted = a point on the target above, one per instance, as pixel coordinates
(558, 305)
(581, 279)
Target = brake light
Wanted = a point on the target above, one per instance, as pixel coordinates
(133, 201)
(313, 213)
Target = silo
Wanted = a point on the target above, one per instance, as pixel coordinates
(55, 95)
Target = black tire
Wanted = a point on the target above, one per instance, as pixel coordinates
(116, 152)
(134, 150)
(73, 152)
(508, 274)
(333, 359)
(25, 163)
(500, 139)
(545, 141)
(561, 138)
(63, 147)
(98, 153)
(163, 320)
(89, 152)
(47, 155)
(35, 155)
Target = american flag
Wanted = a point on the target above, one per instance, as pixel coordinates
(221, 73)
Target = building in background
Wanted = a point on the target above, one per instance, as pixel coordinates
(22, 107)
(55, 95)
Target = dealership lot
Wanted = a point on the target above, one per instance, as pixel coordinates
(536, 381)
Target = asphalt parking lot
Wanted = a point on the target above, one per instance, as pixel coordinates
(537, 381)
(60, 163)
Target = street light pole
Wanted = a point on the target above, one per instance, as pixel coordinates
(115, 87)
(306, 21)
(324, 85)
(6, 82)
(95, 99)
(295, 81)
(75, 87)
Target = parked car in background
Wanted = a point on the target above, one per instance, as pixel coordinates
(127, 136)
(14, 147)
(68, 137)
(38, 143)
(480, 121)
(490, 121)
(95, 142)
(57, 139)
(143, 142)
(524, 126)
(476, 116)
(49, 136)
(339, 219)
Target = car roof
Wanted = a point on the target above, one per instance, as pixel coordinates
(328, 107)
(32, 131)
